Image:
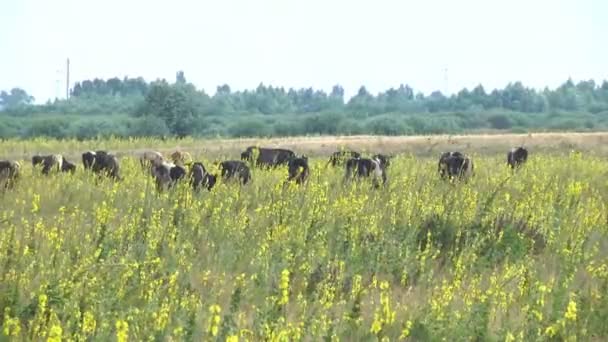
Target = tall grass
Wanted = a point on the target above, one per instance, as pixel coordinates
(505, 256)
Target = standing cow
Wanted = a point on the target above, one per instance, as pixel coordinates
(67, 166)
(105, 163)
(298, 170)
(517, 156)
(455, 165)
(9, 173)
(150, 159)
(88, 158)
(365, 168)
(270, 157)
(181, 158)
(232, 169)
(200, 177)
(167, 175)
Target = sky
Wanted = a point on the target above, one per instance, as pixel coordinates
(312, 43)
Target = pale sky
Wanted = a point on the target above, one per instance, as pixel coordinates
(318, 43)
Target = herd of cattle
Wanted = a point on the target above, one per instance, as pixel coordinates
(167, 172)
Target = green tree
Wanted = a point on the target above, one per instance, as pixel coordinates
(178, 105)
(14, 98)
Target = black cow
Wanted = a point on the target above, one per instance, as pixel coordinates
(339, 157)
(9, 173)
(49, 163)
(88, 158)
(235, 169)
(517, 157)
(106, 163)
(455, 164)
(365, 167)
(67, 166)
(199, 177)
(167, 174)
(37, 160)
(298, 170)
(270, 157)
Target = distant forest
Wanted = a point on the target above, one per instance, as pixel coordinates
(133, 107)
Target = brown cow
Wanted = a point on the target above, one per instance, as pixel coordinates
(151, 158)
(9, 173)
(181, 158)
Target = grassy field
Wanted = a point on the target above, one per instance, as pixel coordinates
(504, 257)
(423, 146)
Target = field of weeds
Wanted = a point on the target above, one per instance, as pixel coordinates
(505, 256)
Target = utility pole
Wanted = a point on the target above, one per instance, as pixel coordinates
(67, 81)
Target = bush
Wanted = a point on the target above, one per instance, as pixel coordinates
(500, 122)
(249, 128)
(52, 128)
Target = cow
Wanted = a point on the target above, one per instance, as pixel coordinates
(9, 173)
(150, 159)
(365, 167)
(67, 166)
(455, 165)
(384, 159)
(339, 157)
(88, 158)
(167, 174)
(298, 170)
(517, 156)
(181, 158)
(199, 177)
(235, 169)
(106, 163)
(37, 160)
(270, 157)
(49, 163)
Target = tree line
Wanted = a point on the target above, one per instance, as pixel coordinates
(134, 107)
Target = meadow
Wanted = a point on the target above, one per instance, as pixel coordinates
(506, 256)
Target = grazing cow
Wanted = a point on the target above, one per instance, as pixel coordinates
(9, 173)
(517, 157)
(49, 163)
(235, 169)
(181, 158)
(105, 163)
(37, 160)
(339, 157)
(167, 175)
(270, 157)
(298, 170)
(199, 177)
(151, 158)
(364, 167)
(455, 164)
(67, 166)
